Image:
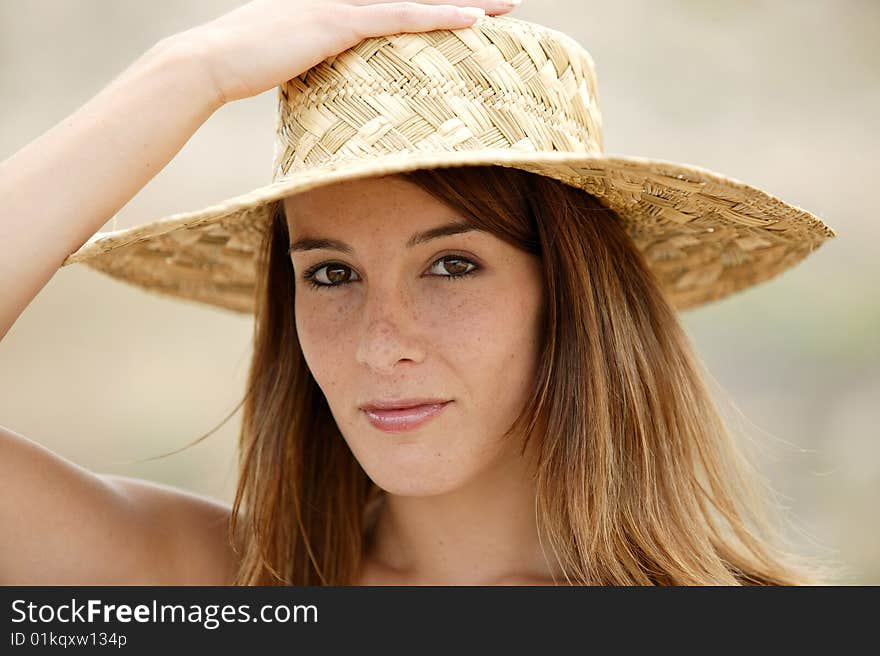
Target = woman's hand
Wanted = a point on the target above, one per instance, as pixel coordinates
(264, 43)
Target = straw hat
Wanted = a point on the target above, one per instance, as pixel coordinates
(503, 91)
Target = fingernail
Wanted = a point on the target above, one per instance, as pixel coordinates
(473, 12)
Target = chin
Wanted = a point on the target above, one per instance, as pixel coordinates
(408, 480)
(420, 463)
(412, 488)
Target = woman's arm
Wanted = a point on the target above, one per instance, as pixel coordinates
(62, 187)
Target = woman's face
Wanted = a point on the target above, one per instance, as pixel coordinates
(397, 326)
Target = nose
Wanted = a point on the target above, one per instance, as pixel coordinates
(389, 332)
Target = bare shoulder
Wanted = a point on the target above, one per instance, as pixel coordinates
(192, 530)
(62, 524)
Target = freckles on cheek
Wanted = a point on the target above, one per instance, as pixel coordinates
(321, 321)
(323, 328)
(465, 322)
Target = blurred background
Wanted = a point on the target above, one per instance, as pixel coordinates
(784, 95)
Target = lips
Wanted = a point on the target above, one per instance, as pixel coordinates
(402, 418)
(398, 404)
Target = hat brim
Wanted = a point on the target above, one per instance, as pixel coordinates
(704, 235)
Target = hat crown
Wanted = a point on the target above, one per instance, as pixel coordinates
(502, 84)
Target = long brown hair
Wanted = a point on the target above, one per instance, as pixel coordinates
(639, 480)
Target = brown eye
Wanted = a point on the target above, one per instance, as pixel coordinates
(453, 267)
(335, 275)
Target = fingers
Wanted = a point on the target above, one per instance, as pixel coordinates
(395, 17)
(489, 6)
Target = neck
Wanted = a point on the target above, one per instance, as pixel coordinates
(484, 533)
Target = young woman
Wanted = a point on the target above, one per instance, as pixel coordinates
(461, 376)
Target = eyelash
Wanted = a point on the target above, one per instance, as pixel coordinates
(308, 276)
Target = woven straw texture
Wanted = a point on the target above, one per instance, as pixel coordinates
(505, 92)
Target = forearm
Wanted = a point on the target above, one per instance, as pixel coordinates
(59, 190)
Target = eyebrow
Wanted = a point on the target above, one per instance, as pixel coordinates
(314, 243)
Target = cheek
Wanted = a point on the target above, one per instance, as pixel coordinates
(488, 338)
(459, 323)
(323, 326)
(321, 315)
